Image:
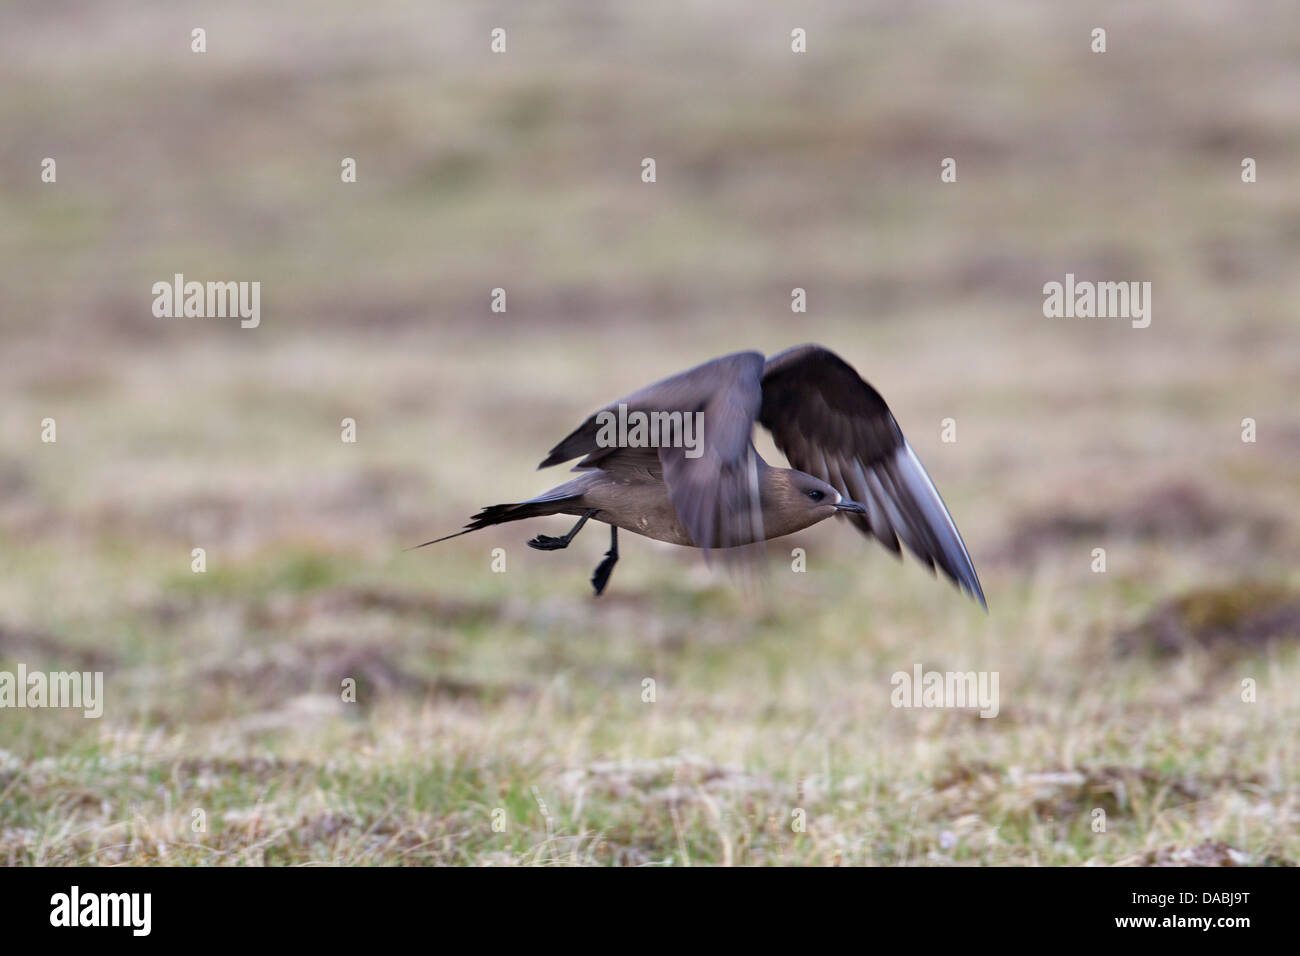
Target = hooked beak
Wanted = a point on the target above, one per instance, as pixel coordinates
(851, 506)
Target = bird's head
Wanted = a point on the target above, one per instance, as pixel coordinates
(794, 500)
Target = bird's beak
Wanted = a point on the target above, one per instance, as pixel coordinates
(851, 506)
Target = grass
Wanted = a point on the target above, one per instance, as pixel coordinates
(502, 718)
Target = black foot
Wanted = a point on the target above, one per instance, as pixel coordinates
(603, 570)
(544, 542)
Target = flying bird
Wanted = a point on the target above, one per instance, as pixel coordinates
(709, 488)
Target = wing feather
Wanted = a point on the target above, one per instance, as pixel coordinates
(830, 423)
(715, 493)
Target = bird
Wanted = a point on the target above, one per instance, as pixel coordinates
(705, 485)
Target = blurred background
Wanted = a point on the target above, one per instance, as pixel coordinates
(517, 691)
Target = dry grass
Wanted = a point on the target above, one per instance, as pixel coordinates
(518, 692)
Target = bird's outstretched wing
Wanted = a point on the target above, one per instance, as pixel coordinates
(714, 492)
(830, 423)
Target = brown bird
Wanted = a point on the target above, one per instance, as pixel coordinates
(675, 461)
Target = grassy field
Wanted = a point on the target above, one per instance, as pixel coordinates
(516, 698)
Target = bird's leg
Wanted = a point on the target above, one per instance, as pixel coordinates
(544, 542)
(606, 567)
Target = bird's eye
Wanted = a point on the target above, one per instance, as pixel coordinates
(816, 494)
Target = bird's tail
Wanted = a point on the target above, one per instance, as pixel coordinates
(547, 504)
